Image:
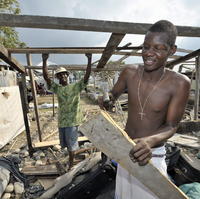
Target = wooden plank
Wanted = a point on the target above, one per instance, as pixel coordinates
(55, 142)
(6, 57)
(22, 88)
(197, 82)
(67, 49)
(80, 50)
(74, 51)
(80, 67)
(108, 137)
(64, 23)
(183, 59)
(184, 140)
(33, 90)
(40, 170)
(46, 143)
(111, 46)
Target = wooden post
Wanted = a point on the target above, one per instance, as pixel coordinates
(53, 96)
(197, 87)
(28, 57)
(24, 109)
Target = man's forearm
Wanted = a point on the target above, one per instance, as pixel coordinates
(88, 69)
(161, 136)
(45, 74)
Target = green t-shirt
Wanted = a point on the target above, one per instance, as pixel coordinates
(69, 113)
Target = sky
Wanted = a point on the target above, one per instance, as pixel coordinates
(179, 12)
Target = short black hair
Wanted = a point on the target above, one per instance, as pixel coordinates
(166, 27)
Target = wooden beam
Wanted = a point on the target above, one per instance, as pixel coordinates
(42, 170)
(111, 46)
(63, 23)
(74, 51)
(81, 68)
(197, 82)
(55, 142)
(65, 49)
(183, 59)
(33, 90)
(182, 50)
(185, 140)
(22, 88)
(6, 57)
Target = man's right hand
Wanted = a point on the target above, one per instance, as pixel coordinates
(105, 105)
(45, 57)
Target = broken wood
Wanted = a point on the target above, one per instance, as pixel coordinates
(185, 140)
(111, 46)
(65, 179)
(108, 137)
(171, 64)
(84, 149)
(6, 57)
(43, 170)
(59, 166)
(55, 142)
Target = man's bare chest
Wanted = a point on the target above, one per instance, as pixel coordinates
(148, 97)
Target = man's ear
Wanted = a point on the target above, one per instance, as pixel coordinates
(173, 49)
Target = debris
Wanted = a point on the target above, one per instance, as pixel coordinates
(55, 142)
(4, 179)
(185, 140)
(18, 187)
(9, 188)
(65, 179)
(43, 170)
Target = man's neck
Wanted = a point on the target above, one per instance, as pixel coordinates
(154, 75)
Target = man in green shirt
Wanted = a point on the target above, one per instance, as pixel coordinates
(69, 112)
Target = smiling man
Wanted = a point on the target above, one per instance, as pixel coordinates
(69, 111)
(157, 97)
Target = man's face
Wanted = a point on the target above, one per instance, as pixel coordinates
(156, 50)
(63, 78)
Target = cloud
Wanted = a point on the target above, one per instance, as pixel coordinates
(180, 12)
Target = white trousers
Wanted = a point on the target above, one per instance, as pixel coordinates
(128, 187)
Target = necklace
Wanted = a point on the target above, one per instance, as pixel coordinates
(142, 113)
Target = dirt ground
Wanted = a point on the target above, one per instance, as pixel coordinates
(48, 122)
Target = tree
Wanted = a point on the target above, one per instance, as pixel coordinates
(8, 36)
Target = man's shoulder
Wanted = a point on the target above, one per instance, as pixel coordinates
(131, 68)
(178, 79)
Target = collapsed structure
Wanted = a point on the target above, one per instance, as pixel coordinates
(118, 31)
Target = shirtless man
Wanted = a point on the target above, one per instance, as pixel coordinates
(157, 97)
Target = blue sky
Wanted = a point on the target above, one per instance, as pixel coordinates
(179, 12)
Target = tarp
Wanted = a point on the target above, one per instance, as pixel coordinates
(8, 78)
(11, 115)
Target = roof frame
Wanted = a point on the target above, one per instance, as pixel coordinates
(6, 57)
(64, 23)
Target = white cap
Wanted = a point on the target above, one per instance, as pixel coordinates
(61, 70)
